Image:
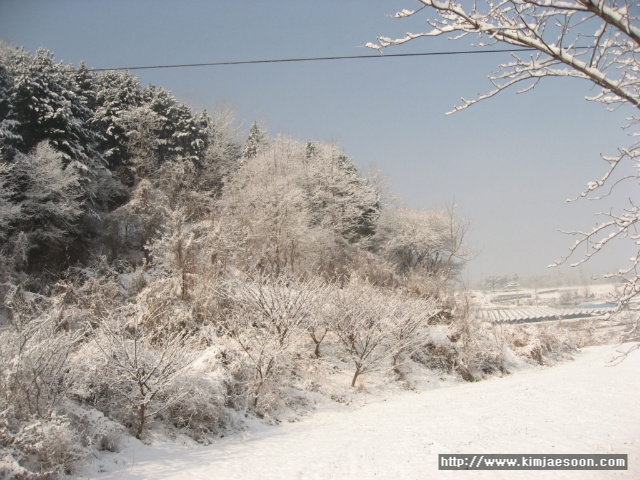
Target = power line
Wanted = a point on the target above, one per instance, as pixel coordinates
(314, 59)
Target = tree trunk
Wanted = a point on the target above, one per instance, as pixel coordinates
(141, 412)
(353, 382)
(317, 342)
(256, 394)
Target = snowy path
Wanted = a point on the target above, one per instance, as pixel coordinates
(577, 407)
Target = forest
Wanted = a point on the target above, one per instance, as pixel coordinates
(159, 269)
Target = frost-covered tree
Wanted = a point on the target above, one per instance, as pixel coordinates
(266, 200)
(177, 130)
(7, 125)
(116, 95)
(431, 242)
(46, 104)
(341, 199)
(298, 211)
(34, 349)
(138, 142)
(139, 365)
(374, 326)
(222, 149)
(177, 251)
(50, 102)
(593, 40)
(135, 225)
(48, 194)
(9, 211)
(255, 142)
(269, 314)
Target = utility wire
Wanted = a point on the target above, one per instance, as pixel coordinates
(314, 59)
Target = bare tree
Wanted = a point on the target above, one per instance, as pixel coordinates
(142, 365)
(318, 327)
(408, 319)
(374, 327)
(269, 313)
(593, 40)
(357, 322)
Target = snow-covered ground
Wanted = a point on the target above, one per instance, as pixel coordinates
(581, 406)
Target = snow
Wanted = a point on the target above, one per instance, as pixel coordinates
(581, 406)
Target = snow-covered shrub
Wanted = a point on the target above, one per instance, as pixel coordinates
(55, 443)
(42, 448)
(240, 374)
(171, 313)
(95, 431)
(33, 355)
(87, 293)
(10, 468)
(94, 387)
(434, 287)
(467, 346)
(440, 356)
(364, 266)
(201, 387)
(543, 343)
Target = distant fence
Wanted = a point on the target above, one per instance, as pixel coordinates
(507, 297)
(538, 314)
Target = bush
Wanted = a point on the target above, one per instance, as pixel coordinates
(39, 447)
(201, 411)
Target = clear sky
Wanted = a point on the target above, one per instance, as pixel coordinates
(509, 163)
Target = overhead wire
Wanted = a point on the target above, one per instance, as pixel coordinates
(313, 59)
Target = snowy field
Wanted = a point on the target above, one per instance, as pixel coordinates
(581, 406)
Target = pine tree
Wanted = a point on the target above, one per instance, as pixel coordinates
(8, 126)
(164, 105)
(116, 95)
(184, 136)
(48, 105)
(256, 141)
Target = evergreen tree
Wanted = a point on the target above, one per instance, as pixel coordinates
(312, 150)
(164, 106)
(203, 125)
(48, 105)
(116, 95)
(341, 198)
(86, 81)
(184, 135)
(8, 126)
(256, 141)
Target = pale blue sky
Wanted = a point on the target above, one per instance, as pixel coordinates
(509, 163)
